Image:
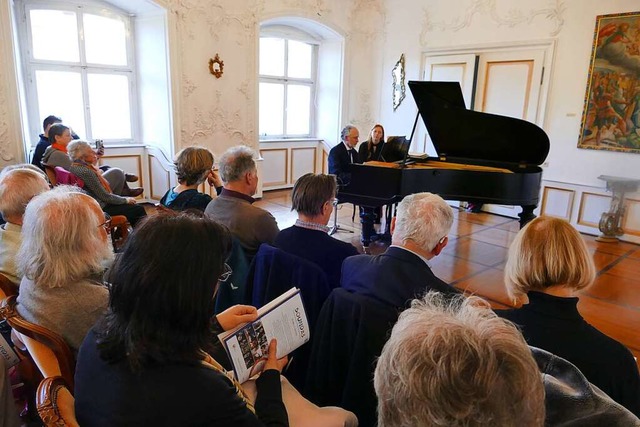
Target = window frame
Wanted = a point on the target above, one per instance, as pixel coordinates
(31, 64)
(286, 81)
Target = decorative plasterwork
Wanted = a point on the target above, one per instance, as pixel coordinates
(219, 120)
(310, 7)
(512, 18)
(365, 118)
(369, 20)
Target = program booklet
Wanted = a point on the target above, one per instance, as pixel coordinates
(284, 319)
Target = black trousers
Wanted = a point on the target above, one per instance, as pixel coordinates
(133, 212)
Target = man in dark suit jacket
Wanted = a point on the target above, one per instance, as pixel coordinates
(419, 233)
(343, 154)
(375, 287)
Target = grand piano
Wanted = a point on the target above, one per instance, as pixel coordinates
(482, 158)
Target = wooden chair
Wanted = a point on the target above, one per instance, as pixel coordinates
(49, 351)
(7, 287)
(56, 403)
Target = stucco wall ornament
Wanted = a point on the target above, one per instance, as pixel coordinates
(514, 17)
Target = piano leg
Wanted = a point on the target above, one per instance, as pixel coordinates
(526, 215)
(366, 221)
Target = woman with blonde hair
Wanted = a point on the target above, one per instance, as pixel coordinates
(371, 149)
(193, 166)
(548, 264)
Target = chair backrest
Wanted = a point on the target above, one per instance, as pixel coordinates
(55, 403)
(349, 336)
(51, 174)
(120, 229)
(63, 176)
(7, 287)
(48, 350)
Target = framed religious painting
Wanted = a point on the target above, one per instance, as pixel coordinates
(611, 115)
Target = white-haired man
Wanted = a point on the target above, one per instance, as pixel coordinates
(234, 206)
(419, 233)
(355, 319)
(18, 185)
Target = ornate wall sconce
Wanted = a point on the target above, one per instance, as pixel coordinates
(216, 66)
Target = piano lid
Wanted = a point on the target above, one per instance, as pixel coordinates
(458, 132)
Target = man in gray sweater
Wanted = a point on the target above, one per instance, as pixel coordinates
(234, 208)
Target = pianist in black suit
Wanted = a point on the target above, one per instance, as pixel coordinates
(343, 154)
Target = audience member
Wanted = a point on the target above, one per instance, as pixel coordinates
(97, 186)
(313, 197)
(233, 208)
(549, 263)
(17, 187)
(193, 166)
(419, 233)
(65, 249)
(44, 142)
(58, 155)
(159, 334)
(355, 319)
(453, 362)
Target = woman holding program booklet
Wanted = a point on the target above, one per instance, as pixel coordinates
(152, 359)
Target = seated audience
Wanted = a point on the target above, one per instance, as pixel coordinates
(234, 207)
(159, 334)
(44, 142)
(312, 197)
(65, 249)
(453, 362)
(58, 155)
(401, 273)
(17, 187)
(548, 264)
(355, 319)
(193, 166)
(97, 186)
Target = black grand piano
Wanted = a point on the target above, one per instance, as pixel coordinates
(482, 158)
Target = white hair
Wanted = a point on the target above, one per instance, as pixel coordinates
(235, 162)
(17, 187)
(78, 148)
(450, 361)
(423, 218)
(61, 239)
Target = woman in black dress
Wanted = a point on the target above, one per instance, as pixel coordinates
(371, 149)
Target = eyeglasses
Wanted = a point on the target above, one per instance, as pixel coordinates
(334, 202)
(226, 273)
(107, 223)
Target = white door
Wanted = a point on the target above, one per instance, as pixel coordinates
(445, 68)
(509, 84)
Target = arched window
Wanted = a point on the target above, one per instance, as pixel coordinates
(288, 69)
(78, 62)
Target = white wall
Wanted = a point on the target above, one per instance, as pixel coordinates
(414, 27)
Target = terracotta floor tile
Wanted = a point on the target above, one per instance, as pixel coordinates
(513, 225)
(619, 248)
(483, 218)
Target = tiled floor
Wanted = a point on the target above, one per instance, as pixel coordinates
(474, 260)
